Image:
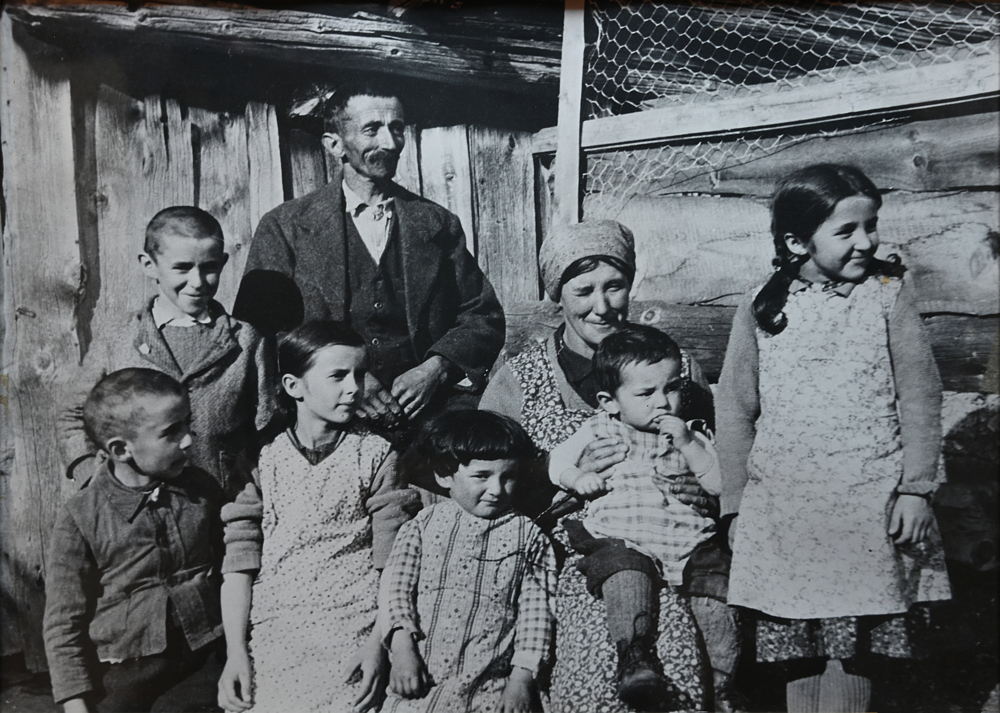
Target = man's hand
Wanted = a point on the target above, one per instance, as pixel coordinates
(517, 693)
(235, 692)
(601, 454)
(415, 388)
(408, 676)
(379, 406)
(689, 491)
(372, 670)
(910, 520)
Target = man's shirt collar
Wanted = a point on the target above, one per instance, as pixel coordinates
(355, 205)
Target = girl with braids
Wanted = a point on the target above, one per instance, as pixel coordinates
(828, 413)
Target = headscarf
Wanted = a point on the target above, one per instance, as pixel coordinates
(568, 243)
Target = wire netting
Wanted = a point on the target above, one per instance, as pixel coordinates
(653, 55)
(644, 55)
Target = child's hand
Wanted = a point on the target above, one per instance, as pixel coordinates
(371, 672)
(408, 676)
(235, 689)
(910, 520)
(589, 484)
(678, 431)
(518, 693)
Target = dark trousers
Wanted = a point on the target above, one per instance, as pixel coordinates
(177, 680)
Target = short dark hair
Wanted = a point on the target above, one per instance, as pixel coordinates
(456, 438)
(334, 107)
(112, 407)
(632, 344)
(185, 221)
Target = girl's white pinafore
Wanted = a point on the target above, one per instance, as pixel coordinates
(314, 601)
(811, 539)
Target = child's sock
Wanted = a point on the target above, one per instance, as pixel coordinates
(802, 694)
(629, 600)
(842, 692)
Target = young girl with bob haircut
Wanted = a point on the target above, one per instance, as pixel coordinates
(828, 414)
(327, 510)
(465, 603)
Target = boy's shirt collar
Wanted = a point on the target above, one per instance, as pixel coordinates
(129, 502)
(165, 312)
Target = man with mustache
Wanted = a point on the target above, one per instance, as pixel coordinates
(392, 264)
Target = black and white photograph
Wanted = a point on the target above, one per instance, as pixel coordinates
(486, 356)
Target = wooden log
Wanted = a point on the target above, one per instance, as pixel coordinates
(140, 171)
(224, 188)
(961, 343)
(264, 159)
(308, 165)
(42, 276)
(774, 105)
(446, 174)
(924, 155)
(362, 42)
(505, 211)
(711, 249)
(544, 193)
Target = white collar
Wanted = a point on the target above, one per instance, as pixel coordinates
(165, 312)
(352, 201)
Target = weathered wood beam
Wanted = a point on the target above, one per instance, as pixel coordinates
(961, 343)
(42, 275)
(776, 106)
(568, 154)
(361, 42)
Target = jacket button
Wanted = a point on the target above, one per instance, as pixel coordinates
(378, 305)
(375, 341)
(144, 349)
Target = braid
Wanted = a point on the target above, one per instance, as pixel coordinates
(802, 202)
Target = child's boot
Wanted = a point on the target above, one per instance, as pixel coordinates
(640, 685)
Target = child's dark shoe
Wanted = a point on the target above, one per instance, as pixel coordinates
(640, 685)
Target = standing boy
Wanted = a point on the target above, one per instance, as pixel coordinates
(132, 591)
(225, 364)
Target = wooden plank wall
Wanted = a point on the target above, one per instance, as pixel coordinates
(42, 275)
(705, 240)
(74, 281)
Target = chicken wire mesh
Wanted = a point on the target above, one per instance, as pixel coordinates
(645, 55)
(652, 55)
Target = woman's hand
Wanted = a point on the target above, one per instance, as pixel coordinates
(910, 520)
(517, 693)
(689, 491)
(601, 454)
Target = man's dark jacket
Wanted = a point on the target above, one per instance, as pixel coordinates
(296, 272)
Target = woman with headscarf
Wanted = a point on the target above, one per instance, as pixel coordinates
(550, 388)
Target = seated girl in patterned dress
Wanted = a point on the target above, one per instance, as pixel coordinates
(465, 600)
(302, 555)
